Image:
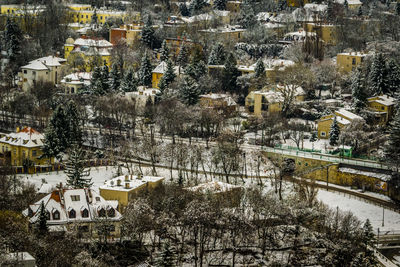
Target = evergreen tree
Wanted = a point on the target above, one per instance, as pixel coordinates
(105, 81)
(220, 4)
(398, 8)
(149, 112)
(260, 69)
(392, 77)
(166, 257)
(360, 12)
(358, 91)
(346, 5)
(73, 124)
(196, 69)
(99, 85)
(330, 11)
(247, 18)
(129, 83)
(368, 234)
(169, 74)
(184, 10)
(377, 75)
(75, 168)
(162, 85)
(217, 55)
(189, 92)
(196, 6)
(145, 71)
(164, 53)
(12, 37)
(115, 78)
(56, 136)
(183, 56)
(230, 74)
(42, 228)
(392, 150)
(148, 37)
(334, 133)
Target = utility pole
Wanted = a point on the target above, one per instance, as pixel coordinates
(383, 217)
(327, 178)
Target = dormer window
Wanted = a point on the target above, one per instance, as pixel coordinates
(75, 198)
(85, 213)
(102, 212)
(56, 215)
(72, 214)
(111, 212)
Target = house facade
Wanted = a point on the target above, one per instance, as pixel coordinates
(343, 118)
(347, 62)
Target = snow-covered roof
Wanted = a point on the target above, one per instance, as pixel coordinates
(37, 65)
(381, 176)
(129, 182)
(213, 187)
(44, 62)
(162, 67)
(142, 91)
(361, 54)
(92, 42)
(298, 91)
(316, 7)
(86, 203)
(229, 100)
(27, 137)
(271, 96)
(347, 114)
(225, 29)
(383, 100)
(78, 78)
(350, 2)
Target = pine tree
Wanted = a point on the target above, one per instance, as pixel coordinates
(189, 92)
(129, 83)
(247, 18)
(115, 78)
(196, 6)
(377, 75)
(73, 124)
(346, 5)
(164, 52)
(42, 228)
(105, 81)
(12, 37)
(368, 234)
(392, 77)
(166, 258)
(169, 74)
(75, 168)
(217, 55)
(96, 83)
(184, 10)
(260, 69)
(148, 32)
(145, 71)
(56, 136)
(196, 70)
(220, 4)
(149, 111)
(358, 91)
(360, 12)
(182, 58)
(392, 150)
(230, 74)
(334, 133)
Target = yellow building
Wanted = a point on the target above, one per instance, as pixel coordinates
(79, 210)
(93, 52)
(297, 3)
(347, 62)
(233, 6)
(125, 188)
(343, 118)
(383, 108)
(21, 10)
(327, 32)
(270, 101)
(45, 69)
(226, 33)
(221, 102)
(84, 14)
(24, 148)
(73, 83)
(159, 71)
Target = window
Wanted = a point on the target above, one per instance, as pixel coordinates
(85, 213)
(323, 134)
(72, 214)
(101, 17)
(111, 212)
(112, 228)
(97, 198)
(56, 215)
(83, 229)
(383, 108)
(23, 154)
(354, 61)
(25, 71)
(33, 72)
(75, 198)
(86, 16)
(15, 151)
(72, 90)
(34, 153)
(102, 212)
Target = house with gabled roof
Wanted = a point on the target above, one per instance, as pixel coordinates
(343, 118)
(46, 69)
(383, 107)
(82, 210)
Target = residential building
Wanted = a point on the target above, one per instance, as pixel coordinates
(85, 14)
(297, 3)
(175, 44)
(383, 108)
(45, 69)
(82, 210)
(270, 100)
(233, 6)
(353, 4)
(327, 32)
(298, 37)
(128, 32)
(159, 71)
(218, 102)
(227, 32)
(347, 62)
(73, 83)
(19, 259)
(93, 51)
(142, 94)
(343, 118)
(125, 188)
(24, 148)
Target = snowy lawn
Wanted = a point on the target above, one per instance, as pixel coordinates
(362, 210)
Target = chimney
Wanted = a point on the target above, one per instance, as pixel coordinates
(126, 177)
(127, 185)
(119, 182)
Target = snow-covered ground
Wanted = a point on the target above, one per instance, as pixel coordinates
(362, 210)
